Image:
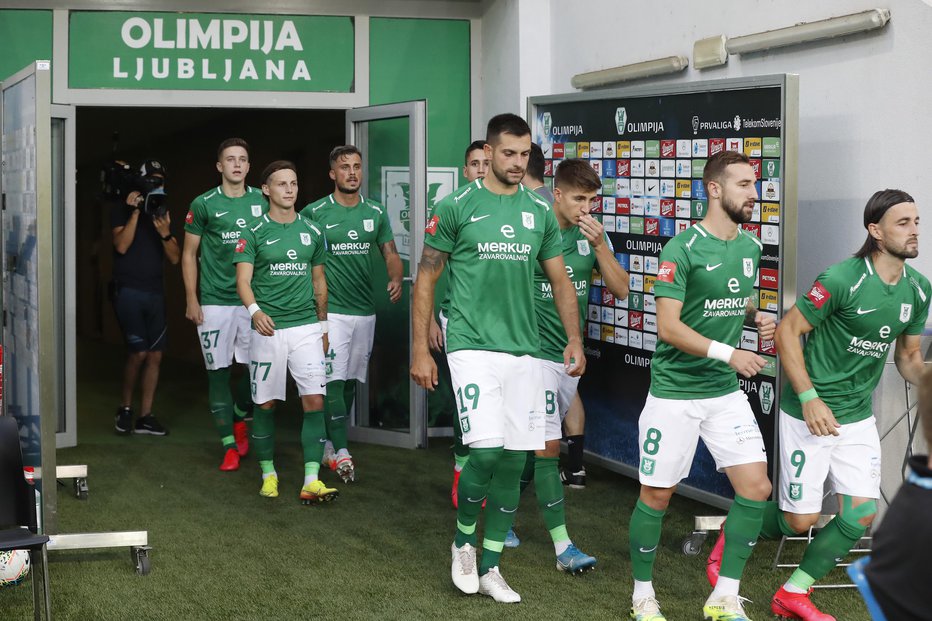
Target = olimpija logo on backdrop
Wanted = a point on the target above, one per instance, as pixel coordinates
(210, 51)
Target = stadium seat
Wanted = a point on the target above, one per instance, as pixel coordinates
(856, 571)
(18, 523)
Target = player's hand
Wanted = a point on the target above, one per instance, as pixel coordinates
(162, 224)
(394, 290)
(434, 335)
(134, 199)
(574, 359)
(194, 313)
(424, 370)
(819, 418)
(747, 363)
(264, 324)
(766, 326)
(592, 230)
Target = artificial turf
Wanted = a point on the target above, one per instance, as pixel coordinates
(380, 551)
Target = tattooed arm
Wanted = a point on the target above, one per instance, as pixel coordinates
(423, 367)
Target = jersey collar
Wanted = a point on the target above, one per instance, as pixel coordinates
(362, 201)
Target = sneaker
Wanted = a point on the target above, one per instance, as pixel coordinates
(329, 457)
(511, 539)
(316, 491)
(123, 421)
(345, 469)
(573, 561)
(646, 609)
(456, 484)
(788, 605)
(230, 460)
(725, 608)
(493, 585)
(463, 570)
(576, 480)
(149, 424)
(269, 486)
(241, 436)
(713, 565)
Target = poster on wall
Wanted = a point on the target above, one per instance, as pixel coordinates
(396, 197)
(650, 148)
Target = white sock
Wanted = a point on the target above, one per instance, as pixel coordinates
(560, 546)
(328, 447)
(343, 453)
(457, 468)
(725, 586)
(642, 590)
(266, 475)
(792, 588)
(310, 479)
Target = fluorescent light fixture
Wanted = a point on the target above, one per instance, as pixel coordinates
(709, 52)
(626, 73)
(807, 32)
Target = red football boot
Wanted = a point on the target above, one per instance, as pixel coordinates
(788, 605)
(230, 460)
(713, 566)
(241, 436)
(456, 484)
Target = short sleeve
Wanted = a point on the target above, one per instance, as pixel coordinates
(245, 250)
(320, 247)
(442, 227)
(385, 234)
(552, 244)
(918, 324)
(196, 220)
(119, 214)
(673, 271)
(823, 297)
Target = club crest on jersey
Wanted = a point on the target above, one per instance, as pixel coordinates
(306, 239)
(906, 311)
(240, 245)
(368, 225)
(582, 247)
(748, 265)
(527, 219)
(256, 210)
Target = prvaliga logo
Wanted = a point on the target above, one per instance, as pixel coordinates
(736, 124)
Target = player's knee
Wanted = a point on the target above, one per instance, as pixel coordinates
(485, 458)
(657, 498)
(312, 403)
(759, 490)
(860, 515)
(551, 449)
(268, 405)
(801, 522)
(153, 358)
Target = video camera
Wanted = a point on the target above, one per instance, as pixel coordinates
(118, 180)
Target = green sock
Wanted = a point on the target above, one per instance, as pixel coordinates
(742, 528)
(550, 496)
(313, 436)
(349, 393)
(460, 460)
(643, 539)
(242, 396)
(267, 466)
(527, 474)
(311, 471)
(221, 405)
(830, 546)
(473, 489)
(504, 495)
(335, 419)
(263, 434)
(774, 525)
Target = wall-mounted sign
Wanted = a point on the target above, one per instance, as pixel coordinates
(210, 51)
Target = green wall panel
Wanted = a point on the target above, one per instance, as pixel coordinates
(25, 36)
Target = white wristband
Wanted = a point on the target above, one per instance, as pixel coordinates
(720, 351)
(324, 326)
(253, 309)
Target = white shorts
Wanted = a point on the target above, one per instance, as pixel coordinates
(559, 390)
(443, 328)
(351, 339)
(850, 461)
(223, 335)
(499, 397)
(299, 350)
(669, 429)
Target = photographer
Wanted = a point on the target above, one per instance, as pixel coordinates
(142, 238)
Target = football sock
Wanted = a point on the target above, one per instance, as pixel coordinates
(574, 450)
(459, 461)
(311, 471)
(642, 589)
(774, 525)
(335, 418)
(833, 542)
(221, 405)
(742, 528)
(268, 468)
(725, 586)
(313, 436)
(550, 499)
(473, 489)
(349, 393)
(643, 539)
(242, 395)
(504, 495)
(527, 474)
(263, 434)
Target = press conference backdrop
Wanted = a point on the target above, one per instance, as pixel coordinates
(649, 145)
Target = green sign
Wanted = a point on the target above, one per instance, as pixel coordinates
(210, 51)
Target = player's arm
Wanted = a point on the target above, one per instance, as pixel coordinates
(672, 330)
(423, 367)
(123, 236)
(395, 270)
(564, 298)
(435, 334)
(819, 418)
(189, 274)
(263, 323)
(318, 276)
(908, 358)
(766, 324)
(613, 274)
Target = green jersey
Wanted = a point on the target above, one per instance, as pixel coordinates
(579, 257)
(855, 317)
(714, 279)
(494, 241)
(218, 220)
(283, 256)
(351, 233)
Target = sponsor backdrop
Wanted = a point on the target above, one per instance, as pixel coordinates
(650, 152)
